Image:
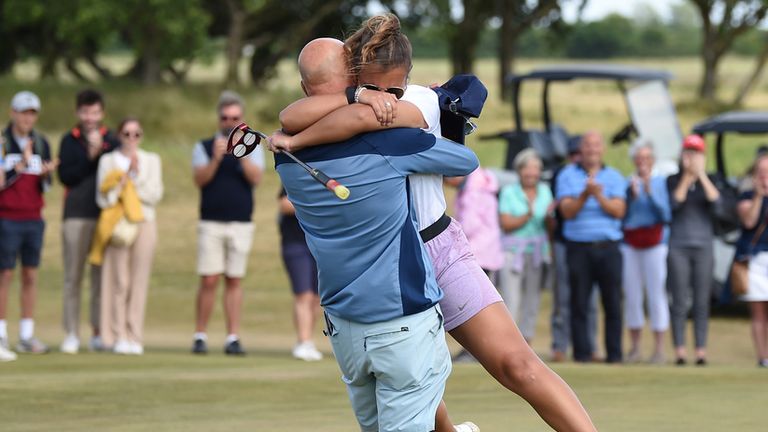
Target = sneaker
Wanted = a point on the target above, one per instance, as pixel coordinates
(701, 361)
(464, 357)
(234, 348)
(763, 363)
(306, 351)
(199, 347)
(123, 347)
(4, 343)
(70, 345)
(6, 355)
(557, 357)
(466, 427)
(681, 361)
(31, 346)
(96, 344)
(658, 358)
(634, 357)
(135, 348)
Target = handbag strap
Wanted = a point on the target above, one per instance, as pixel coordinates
(758, 233)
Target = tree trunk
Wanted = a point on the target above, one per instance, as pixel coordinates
(48, 65)
(750, 82)
(234, 46)
(466, 36)
(71, 64)
(708, 87)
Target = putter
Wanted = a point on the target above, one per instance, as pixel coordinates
(243, 140)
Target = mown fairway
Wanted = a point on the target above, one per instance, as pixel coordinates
(168, 389)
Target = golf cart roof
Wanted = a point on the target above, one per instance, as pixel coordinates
(746, 122)
(592, 71)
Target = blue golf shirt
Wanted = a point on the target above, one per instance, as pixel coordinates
(591, 224)
(372, 265)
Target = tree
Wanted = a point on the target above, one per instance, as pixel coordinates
(517, 17)
(722, 21)
(754, 77)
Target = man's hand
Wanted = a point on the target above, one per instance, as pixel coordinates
(219, 148)
(280, 141)
(95, 143)
(593, 188)
(384, 105)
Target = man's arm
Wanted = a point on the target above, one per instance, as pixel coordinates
(251, 171)
(344, 123)
(72, 169)
(204, 172)
(571, 206)
(445, 157)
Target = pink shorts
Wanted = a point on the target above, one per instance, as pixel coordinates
(467, 290)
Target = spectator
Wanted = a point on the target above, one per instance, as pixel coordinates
(477, 210)
(79, 153)
(560, 319)
(645, 253)
(27, 167)
(302, 270)
(525, 208)
(753, 245)
(592, 200)
(127, 265)
(225, 231)
(693, 198)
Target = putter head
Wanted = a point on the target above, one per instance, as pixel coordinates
(242, 140)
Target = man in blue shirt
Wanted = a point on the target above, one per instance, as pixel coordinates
(591, 199)
(375, 279)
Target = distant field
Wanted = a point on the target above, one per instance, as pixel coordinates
(168, 389)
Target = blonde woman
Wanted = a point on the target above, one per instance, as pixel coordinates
(525, 208)
(126, 268)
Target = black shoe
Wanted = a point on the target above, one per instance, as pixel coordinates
(680, 361)
(234, 348)
(199, 347)
(701, 361)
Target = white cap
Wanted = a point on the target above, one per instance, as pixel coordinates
(25, 100)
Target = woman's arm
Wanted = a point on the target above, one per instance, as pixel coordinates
(305, 112)
(149, 186)
(511, 223)
(344, 123)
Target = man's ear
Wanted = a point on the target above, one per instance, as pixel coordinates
(304, 89)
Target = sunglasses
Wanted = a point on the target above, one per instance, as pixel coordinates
(131, 134)
(469, 126)
(397, 91)
(243, 140)
(228, 118)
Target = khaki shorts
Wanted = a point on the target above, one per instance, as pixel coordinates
(223, 247)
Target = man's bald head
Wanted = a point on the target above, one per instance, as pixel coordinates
(323, 67)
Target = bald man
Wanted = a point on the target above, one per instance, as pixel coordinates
(381, 303)
(592, 200)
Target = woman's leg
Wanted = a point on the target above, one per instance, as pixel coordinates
(493, 338)
(759, 312)
(655, 268)
(701, 279)
(633, 280)
(678, 281)
(533, 279)
(142, 255)
(510, 285)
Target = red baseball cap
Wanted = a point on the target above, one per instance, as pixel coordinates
(694, 142)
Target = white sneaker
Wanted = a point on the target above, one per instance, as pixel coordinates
(96, 344)
(306, 351)
(122, 347)
(136, 348)
(6, 355)
(70, 345)
(466, 427)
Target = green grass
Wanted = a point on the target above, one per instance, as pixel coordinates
(168, 389)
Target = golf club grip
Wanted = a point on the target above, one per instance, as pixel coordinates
(324, 179)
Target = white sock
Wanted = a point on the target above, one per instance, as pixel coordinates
(200, 336)
(3, 329)
(231, 338)
(26, 328)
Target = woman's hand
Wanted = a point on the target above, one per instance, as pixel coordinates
(759, 186)
(384, 105)
(280, 141)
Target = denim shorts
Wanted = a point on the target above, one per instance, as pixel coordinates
(20, 238)
(395, 371)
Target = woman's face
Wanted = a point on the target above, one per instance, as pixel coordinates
(130, 136)
(761, 172)
(644, 161)
(383, 78)
(530, 173)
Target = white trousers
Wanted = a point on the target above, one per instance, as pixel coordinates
(645, 271)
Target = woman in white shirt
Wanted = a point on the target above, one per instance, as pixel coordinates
(126, 268)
